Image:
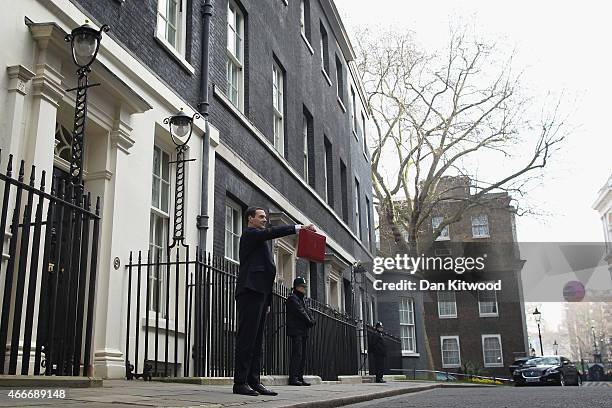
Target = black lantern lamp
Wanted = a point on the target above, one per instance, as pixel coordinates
(85, 43)
(538, 318)
(181, 128)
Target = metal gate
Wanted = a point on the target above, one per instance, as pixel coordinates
(49, 274)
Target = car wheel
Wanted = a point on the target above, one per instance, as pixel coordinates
(562, 380)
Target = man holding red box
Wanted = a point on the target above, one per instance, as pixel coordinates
(254, 296)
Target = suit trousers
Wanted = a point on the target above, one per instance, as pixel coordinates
(379, 366)
(298, 358)
(251, 309)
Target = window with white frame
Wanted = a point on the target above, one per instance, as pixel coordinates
(492, 350)
(171, 23)
(233, 229)
(158, 227)
(305, 18)
(435, 223)
(334, 289)
(324, 49)
(480, 226)
(305, 140)
(353, 111)
(235, 55)
(365, 135)
(367, 219)
(357, 210)
(278, 108)
(447, 304)
(339, 79)
(407, 327)
(487, 303)
(328, 172)
(285, 263)
(451, 354)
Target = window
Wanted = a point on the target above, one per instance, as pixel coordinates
(305, 140)
(365, 135)
(278, 103)
(435, 223)
(492, 350)
(308, 137)
(357, 210)
(324, 49)
(329, 172)
(233, 229)
(407, 331)
(367, 221)
(451, 355)
(480, 226)
(353, 111)
(158, 227)
(285, 263)
(339, 79)
(235, 55)
(487, 303)
(334, 289)
(447, 304)
(344, 191)
(305, 18)
(170, 23)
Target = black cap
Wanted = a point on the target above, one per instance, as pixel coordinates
(299, 281)
(378, 324)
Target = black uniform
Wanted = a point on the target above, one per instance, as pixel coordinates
(378, 349)
(253, 296)
(299, 320)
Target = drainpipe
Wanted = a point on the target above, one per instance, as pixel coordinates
(202, 219)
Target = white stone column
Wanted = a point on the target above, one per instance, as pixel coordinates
(11, 142)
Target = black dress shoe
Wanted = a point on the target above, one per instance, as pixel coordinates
(244, 389)
(295, 382)
(381, 381)
(303, 382)
(263, 390)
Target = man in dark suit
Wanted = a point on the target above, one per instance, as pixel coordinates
(254, 296)
(299, 320)
(378, 349)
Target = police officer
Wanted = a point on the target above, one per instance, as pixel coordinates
(299, 320)
(379, 351)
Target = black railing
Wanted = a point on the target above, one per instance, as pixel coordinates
(53, 244)
(200, 341)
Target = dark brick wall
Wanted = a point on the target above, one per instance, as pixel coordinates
(133, 24)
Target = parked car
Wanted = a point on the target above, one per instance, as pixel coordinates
(445, 377)
(554, 370)
(518, 363)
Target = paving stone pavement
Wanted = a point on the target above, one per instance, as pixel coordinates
(121, 393)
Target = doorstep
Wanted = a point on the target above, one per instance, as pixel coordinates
(48, 381)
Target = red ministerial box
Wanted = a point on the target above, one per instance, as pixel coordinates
(311, 245)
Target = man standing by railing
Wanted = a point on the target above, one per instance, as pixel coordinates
(378, 349)
(254, 296)
(299, 320)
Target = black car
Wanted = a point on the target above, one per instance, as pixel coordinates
(554, 370)
(518, 363)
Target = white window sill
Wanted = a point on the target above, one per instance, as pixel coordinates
(341, 104)
(451, 365)
(175, 54)
(410, 354)
(488, 314)
(307, 43)
(481, 236)
(232, 260)
(150, 323)
(443, 239)
(494, 365)
(326, 76)
(448, 317)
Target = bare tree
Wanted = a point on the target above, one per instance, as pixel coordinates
(437, 115)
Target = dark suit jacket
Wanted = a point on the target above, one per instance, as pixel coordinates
(257, 268)
(299, 317)
(376, 345)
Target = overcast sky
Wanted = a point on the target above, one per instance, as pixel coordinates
(563, 47)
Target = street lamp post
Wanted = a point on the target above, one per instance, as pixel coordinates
(556, 347)
(85, 43)
(538, 318)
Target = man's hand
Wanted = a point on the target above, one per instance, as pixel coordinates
(268, 310)
(310, 227)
